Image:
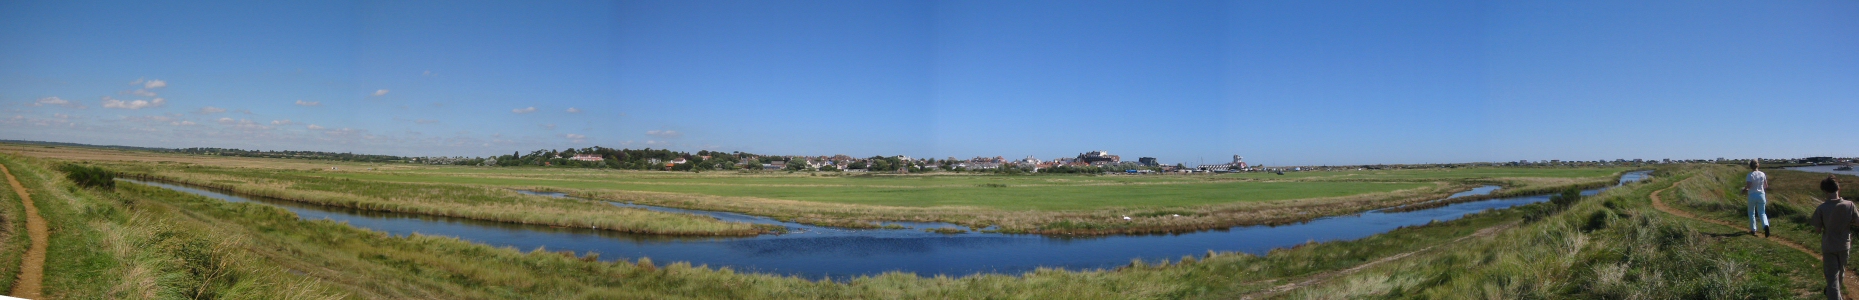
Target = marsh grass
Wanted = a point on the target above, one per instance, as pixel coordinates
(107, 246)
(471, 202)
(13, 238)
(1609, 246)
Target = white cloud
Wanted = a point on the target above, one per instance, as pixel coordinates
(182, 123)
(652, 142)
(314, 127)
(155, 84)
(575, 138)
(52, 101)
(57, 101)
(142, 92)
(548, 126)
(137, 104)
(246, 125)
(309, 103)
(211, 110)
(425, 121)
(281, 122)
(226, 120)
(574, 110)
(524, 110)
(378, 93)
(669, 134)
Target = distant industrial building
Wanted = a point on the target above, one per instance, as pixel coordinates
(1147, 161)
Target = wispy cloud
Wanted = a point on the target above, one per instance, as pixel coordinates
(575, 138)
(574, 110)
(57, 101)
(524, 110)
(154, 84)
(182, 123)
(669, 134)
(309, 103)
(242, 124)
(380, 92)
(547, 126)
(281, 122)
(137, 104)
(314, 127)
(211, 110)
(425, 121)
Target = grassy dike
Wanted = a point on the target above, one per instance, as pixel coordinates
(1614, 245)
(13, 238)
(324, 258)
(470, 202)
(1793, 195)
(106, 246)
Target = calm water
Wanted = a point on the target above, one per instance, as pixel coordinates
(826, 252)
(1825, 169)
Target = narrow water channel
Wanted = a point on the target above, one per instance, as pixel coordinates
(837, 253)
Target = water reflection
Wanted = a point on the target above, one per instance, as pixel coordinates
(826, 252)
(1824, 169)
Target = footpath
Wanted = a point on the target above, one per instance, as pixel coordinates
(32, 268)
(1848, 283)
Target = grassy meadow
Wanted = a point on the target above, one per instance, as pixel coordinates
(1609, 246)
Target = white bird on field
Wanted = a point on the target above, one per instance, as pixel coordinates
(1126, 218)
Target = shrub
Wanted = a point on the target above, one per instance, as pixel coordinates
(90, 177)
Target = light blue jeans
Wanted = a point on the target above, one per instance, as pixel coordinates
(1758, 210)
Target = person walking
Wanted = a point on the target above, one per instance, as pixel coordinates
(1756, 186)
(1833, 220)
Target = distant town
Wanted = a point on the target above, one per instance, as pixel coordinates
(1090, 162)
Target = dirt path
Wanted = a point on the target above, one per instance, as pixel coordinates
(32, 268)
(1849, 281)
(1326, 276)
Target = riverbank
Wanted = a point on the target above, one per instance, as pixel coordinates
(477, 203)
(825, 252)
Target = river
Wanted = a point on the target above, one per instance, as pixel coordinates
(837, 253)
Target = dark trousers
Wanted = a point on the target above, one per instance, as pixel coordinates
(1834, 266)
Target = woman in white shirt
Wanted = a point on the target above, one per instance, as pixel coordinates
(1757, 187)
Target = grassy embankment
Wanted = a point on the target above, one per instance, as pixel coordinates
(1610, 246)
(105, 245)
(1793, 195)
(13, 237)
(461, 201)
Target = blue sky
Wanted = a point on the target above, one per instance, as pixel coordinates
(1282, 83)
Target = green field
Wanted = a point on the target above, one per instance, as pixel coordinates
(1015, 193)
(1058, 192)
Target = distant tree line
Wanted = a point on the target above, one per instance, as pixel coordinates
(293, 154)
